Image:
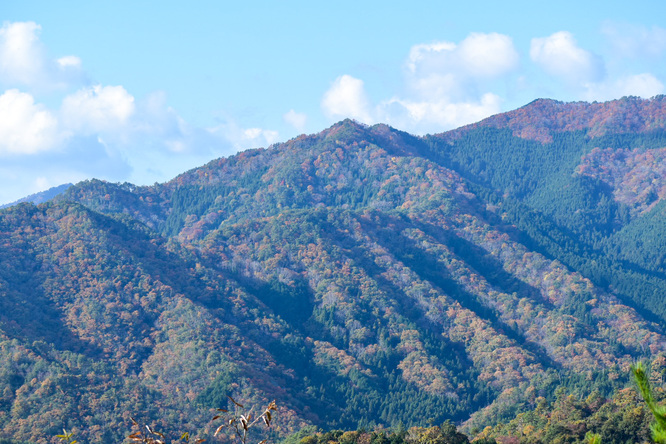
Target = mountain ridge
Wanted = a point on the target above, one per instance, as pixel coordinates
(539, 119)
(361, 275)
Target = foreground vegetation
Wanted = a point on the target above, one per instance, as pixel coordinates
(632, 415)
(624, 418)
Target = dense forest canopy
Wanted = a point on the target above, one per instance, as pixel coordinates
(492, 276)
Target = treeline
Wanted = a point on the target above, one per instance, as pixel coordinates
(568, 419)
(446, 433)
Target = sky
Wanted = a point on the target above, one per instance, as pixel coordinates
(138, 91)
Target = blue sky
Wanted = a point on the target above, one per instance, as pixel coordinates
(140, 91)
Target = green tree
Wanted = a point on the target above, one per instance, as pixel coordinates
(658, 427)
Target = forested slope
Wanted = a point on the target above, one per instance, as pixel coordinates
(361, 276)
(584, 181)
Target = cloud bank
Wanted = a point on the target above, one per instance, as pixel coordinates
(93, 130)
(446, 86)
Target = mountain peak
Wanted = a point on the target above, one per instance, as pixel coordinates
(345, 129)
(540, 119)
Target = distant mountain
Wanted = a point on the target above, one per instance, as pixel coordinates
(41, 197)
(360, 276)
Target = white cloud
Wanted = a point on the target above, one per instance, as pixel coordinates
(176, 146)
(25, 127)
(429, 55)
(97, 109)
(447, 85)
(628, 40)
(69, 61)
(560, 56)
(21, 54)
(42, 183)
(441, 86)
(437, 115)
(643, 85)
(242, 138)
(297, 120)
(24, 62)
(346, 98)
(488, 55)
(444, 68)
(154, 118)
(95, 131)
(252, 134)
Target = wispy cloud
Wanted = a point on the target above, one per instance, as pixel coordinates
(295, 119)
(560, 56)
(242, 138)
(643, 85)
(635, 41)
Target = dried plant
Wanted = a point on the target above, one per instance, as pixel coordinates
(241, 422)
(66, 438)
(238, 422)
(146, 435)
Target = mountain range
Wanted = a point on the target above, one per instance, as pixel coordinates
(361, 277)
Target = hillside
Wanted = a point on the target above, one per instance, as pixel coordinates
(361, 276)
